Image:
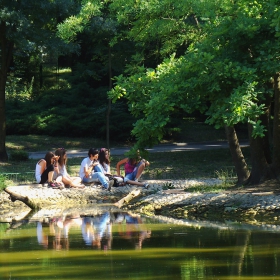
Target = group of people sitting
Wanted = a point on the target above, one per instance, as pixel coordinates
(94, 168)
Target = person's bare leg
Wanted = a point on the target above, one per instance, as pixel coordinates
(134, 183)
(59, 182)
(73, 183)
(76, 181)
(59, 179)
(140, 170)
(50, 176)
(66, 181)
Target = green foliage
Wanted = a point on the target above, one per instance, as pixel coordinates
(76, 24)
(169, 25)
(227, 175)
(170, 59)
(74, 110)
(206, 189)
(225, 75)
(168, 186)
(18, 155)
(78, 105)
(17, 91)
(2, 182)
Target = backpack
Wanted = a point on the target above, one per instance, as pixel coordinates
(118, 180)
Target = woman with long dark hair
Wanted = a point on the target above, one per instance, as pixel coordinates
(72, 182)
(44, 171)
(104, 160)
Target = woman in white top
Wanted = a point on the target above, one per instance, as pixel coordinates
(44, 170)
(104, 160)
(72, 182)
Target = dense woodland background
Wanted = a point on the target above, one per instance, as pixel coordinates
(139, 71)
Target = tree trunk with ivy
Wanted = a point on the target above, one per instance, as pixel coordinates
(239, 162)
(6, 49)
(262, 165)
(276, 128)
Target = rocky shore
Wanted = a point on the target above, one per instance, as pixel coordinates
(168, 198)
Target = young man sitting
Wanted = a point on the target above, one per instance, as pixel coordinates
(87, 173)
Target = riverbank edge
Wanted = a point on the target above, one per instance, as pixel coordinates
(159, 199)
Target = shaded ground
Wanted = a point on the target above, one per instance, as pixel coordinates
(272, 186)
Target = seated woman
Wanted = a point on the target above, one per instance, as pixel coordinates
(133, 168)
(72, 182)
(104, 160)
(88, 173)
(44, 171)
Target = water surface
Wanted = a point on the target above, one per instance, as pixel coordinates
(122, 245)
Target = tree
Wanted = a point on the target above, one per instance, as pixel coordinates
(95, 26)
(226, 73)
(25, 27)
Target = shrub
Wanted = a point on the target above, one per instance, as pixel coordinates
(2, 182)
(19, 155)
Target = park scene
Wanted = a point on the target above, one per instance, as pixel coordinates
(139, 139)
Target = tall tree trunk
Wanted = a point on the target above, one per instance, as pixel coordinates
(6, 49)
(276, 128)
(260, 150)
(109, 102)
(260, 167)
(239, 162)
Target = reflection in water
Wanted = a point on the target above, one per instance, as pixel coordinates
(131, 227)
(57, 229)
(96, 230)
(122, 245)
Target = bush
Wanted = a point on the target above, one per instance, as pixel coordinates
(19, 155)
(2, 182)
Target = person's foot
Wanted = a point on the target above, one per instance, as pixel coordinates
(111, 184)
(78, 187)
(109, 187)
(59, 185)
(52, 185)
(146, 186)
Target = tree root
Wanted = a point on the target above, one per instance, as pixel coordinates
(127, 198)
(24, 199)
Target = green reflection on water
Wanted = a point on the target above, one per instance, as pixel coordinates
(144, 249)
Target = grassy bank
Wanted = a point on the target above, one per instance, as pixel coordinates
(166, 165)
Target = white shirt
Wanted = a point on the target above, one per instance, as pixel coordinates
(84, 165)
(38, 171)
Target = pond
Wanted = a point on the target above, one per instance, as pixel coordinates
(123, 245)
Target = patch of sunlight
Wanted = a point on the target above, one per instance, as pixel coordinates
(65, 70)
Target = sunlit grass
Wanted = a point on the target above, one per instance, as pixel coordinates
(166, 165)
(35, 143)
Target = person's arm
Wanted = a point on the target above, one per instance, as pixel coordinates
(108, 169)
(98, 166)
(43, 164)
(64, 172)
(88, 169)
(146, 162)
(55, 164)
(121, 162)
